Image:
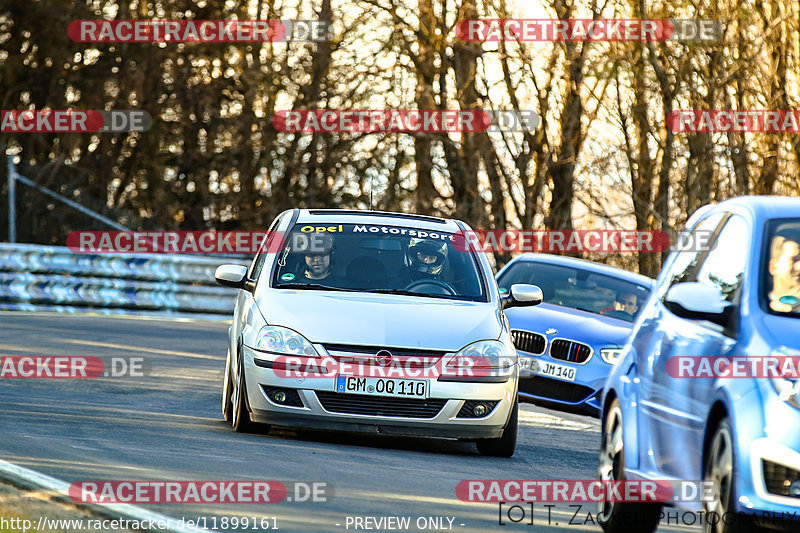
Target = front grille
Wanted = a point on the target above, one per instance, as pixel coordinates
(467, 411)
(571, 351)
(561, 391)
(779, 478)
(292, 397)
(526, 341)
(358, 350)
(400, 356)
(364, 404)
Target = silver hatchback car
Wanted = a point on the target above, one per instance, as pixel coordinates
(373, 322)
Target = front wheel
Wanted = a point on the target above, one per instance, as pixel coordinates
(241, 415)
(621, 517)
(227, 390)
(504, 445)
(718, 469)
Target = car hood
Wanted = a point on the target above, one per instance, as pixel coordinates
(381, 320)
(571, 324)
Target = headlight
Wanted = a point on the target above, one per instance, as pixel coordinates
(611, 355)
(283, 341)
(787, 387)
(485, 354)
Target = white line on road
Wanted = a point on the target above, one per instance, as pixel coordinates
(26, 476)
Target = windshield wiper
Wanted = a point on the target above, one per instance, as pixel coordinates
(313, 286)
(411, 293)
(395, 291)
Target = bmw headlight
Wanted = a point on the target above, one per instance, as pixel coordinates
(611, 355)
(485, 354)
(284, 341)
(787, 386)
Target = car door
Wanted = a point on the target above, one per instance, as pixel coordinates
(675, 408)
(647, 342)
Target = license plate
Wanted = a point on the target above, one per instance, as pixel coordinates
(545, 368)
(407, 388)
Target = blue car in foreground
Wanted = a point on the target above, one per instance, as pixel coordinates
(568, 345)
(667, 416)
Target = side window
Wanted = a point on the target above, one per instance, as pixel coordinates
(724, 267)
(261, 257)
(685, 264)
(258, 264)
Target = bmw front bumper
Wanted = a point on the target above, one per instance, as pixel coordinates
(581, 395)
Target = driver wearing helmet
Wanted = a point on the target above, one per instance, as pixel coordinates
(316, 251)
(425, 259)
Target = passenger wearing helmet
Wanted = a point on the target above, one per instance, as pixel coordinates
(425, 259)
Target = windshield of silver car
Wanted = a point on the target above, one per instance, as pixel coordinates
(378, 258)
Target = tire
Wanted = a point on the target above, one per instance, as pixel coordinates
(720, 458)
(240, 419)
(504, 445)
(227, 391)
(621, 517)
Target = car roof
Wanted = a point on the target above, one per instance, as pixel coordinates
(592, 266)
(761, 207)
(377, 218)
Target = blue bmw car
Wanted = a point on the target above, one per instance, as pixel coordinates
(664, 418)
(568, 344)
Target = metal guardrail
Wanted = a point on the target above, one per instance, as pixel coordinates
(53, 278)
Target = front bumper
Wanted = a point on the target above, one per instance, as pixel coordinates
(778, 447)
(768, 436)
(581, 395)
(441, 422)
(775, 511)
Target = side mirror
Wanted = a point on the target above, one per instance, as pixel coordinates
(522, 295)
(231, 276)
(697, 301)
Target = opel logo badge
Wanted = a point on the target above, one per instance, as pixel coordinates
(551, 331)
(383, 357)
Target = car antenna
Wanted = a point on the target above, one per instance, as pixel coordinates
(371, 186)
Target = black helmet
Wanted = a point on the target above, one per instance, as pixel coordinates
(419, 248)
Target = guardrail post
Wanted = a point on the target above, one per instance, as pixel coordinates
(12, 201)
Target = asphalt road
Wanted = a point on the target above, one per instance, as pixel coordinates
(167, 426)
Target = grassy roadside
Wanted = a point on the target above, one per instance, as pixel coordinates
(17, 505)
